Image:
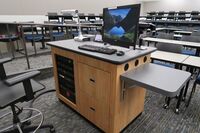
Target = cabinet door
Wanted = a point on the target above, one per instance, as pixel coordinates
(95, 83)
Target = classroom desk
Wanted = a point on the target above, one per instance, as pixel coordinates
(169, 57)
(49, 25)
(192, 61)
(183, 32)
(184, 43)
(166, 29)
(178, 23)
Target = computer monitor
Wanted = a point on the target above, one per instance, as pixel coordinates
(120, 25)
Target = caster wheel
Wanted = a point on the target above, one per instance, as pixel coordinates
(177, 111)
(52, 130)
(165, 106)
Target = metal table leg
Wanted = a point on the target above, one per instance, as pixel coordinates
(25, 48)
(167, 102)
(179, 101)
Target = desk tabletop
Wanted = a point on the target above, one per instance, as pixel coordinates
(91, 25)
(184, 43)
(160, 79)
(72, 45)
(169, 56)
(193, 61)
(183, 32)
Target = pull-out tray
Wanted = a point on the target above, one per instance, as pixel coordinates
(160, 79)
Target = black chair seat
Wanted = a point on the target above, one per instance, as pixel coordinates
(14, 94)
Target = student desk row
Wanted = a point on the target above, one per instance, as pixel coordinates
(22, 25)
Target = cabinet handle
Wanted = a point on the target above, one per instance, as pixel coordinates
(92, 80)
(92, 109)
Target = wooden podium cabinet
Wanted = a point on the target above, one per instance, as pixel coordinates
(92, 87)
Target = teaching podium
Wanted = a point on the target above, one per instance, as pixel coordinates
(89, 82)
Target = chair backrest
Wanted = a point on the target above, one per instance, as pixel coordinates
(6, 29)
(196, 33)
(53, 16)
(167, 46)
(195, 13)
(67, 17)
(191, 38)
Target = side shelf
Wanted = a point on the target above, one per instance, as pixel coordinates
(160, 79)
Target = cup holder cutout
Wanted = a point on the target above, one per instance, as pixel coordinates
(145, 59)
(126, 67)
(136, 62)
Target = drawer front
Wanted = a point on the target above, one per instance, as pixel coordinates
(87, 79)
(94, 110)
(94, 86)
(87, 106)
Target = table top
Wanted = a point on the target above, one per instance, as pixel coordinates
(173, 22)
(160, 79)
(169, 29)
(91, 25)
(169, 56)
(192, 61)
(72, 45)
(183, 32)
(184, 43)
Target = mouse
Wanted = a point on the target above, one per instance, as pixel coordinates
(120, 53)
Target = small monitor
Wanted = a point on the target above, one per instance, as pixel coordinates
(120, 25)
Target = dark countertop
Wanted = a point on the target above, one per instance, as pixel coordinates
(72, 45)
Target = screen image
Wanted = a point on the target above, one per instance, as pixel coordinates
(117, 25)
(120, 25)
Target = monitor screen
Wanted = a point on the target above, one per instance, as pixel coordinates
(121, 25)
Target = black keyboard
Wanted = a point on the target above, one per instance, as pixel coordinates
(98, 49)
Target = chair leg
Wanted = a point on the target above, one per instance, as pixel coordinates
(191, 94)
(35, 48)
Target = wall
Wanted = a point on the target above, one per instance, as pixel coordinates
(41, 7)
(171, 5)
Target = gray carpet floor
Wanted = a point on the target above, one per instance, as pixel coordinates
(154, 119)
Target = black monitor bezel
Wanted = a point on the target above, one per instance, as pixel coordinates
(118, 42)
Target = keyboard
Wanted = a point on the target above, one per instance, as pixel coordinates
(98, 49)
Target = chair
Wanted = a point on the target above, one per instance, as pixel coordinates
(168, 48)
(171, 15)
(194, 13)
(32, 35)
(196, 82)
(9, 34)
(53, 16)
(67, 17)
(160, 15)
(190, 39)
(56, 32)
(195, 17)
(21, 88)
(91, 17)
